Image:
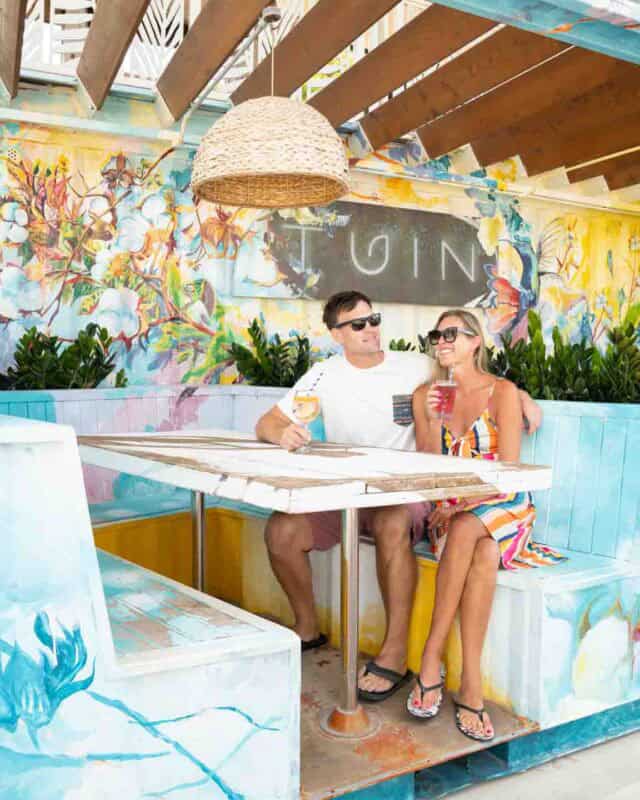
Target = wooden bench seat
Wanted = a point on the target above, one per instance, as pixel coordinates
(148, 612)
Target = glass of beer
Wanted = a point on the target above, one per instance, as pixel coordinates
(306, 407)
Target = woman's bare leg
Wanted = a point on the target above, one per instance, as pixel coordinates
(397, 575)
(465, 531)
(475, 611)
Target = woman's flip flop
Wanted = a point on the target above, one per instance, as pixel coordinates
(478, 737)
(431, 711)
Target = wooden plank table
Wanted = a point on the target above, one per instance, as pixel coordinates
(326, 477)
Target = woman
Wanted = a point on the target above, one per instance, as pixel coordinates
(478, 534)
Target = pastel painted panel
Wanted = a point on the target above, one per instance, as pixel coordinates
(564, 464)
(545, 447)
(178, 705)
(606, 27)
(628, 541)
(609, 490)
(584, 497)
(591, 652)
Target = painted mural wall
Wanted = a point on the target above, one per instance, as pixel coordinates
(105, 229)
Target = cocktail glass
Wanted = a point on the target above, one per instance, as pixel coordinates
(306, 407)
(447, 389)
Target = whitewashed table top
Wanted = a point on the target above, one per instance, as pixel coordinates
(235, 466)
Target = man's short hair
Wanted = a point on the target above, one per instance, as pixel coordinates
(341, 301)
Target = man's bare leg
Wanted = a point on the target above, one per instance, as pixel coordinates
(397, 575)
(475, 611)
(465, 531)
(289, 540)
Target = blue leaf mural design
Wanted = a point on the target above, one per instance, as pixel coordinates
(31, 690)
(180, 749)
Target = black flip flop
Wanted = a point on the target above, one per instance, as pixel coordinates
(479, 712)
(311, 644)
(396, 678)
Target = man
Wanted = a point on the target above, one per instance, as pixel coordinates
(365, 399)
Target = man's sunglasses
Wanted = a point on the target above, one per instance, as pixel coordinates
(448, 334)
(360, 323)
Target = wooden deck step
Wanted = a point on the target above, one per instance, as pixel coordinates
(332, 767)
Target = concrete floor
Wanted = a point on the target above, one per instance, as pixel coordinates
(609, 771)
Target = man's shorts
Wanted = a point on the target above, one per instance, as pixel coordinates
(326, 526)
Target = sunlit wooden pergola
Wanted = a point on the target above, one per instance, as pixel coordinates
(448, 78)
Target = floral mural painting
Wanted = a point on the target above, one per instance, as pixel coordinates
(91, 231)
(593, 648)
(32, 690)
(123, 249)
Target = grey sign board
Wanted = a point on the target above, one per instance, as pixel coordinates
(392, 254)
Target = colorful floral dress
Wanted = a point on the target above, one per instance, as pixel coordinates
(509, 518)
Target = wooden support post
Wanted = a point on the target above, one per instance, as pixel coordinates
(12, 17)
(217, 30)
(114, 25)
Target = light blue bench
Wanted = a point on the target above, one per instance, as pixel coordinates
(592, 513)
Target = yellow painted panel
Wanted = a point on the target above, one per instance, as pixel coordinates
(224, 546)
(162, 544)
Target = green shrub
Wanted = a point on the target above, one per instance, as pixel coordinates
(41, 361)
(274, 362)
(568, 370)
(402, 345)
(617, 370)
(574, 371)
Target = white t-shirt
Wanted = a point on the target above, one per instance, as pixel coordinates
(366, 407)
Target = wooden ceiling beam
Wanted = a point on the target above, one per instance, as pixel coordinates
(543, 140)
(114, 25)
(323, 32)
(492, 61)
(624, 173)
(618, 172)
(609, 136)
(12, 17)
(431, 36)
(217, 30)
(573, 72)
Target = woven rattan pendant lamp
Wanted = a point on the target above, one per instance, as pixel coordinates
(271, 152)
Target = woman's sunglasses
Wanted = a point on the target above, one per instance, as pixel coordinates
(360, 323)
(448, 334)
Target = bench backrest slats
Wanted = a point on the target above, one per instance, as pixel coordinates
(593, 506)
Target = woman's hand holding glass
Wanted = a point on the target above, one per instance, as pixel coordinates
(434, 403)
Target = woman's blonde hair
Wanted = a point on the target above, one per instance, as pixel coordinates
(469, 321)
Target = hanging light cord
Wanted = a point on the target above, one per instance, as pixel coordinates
(273, 57)
(271, 17)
